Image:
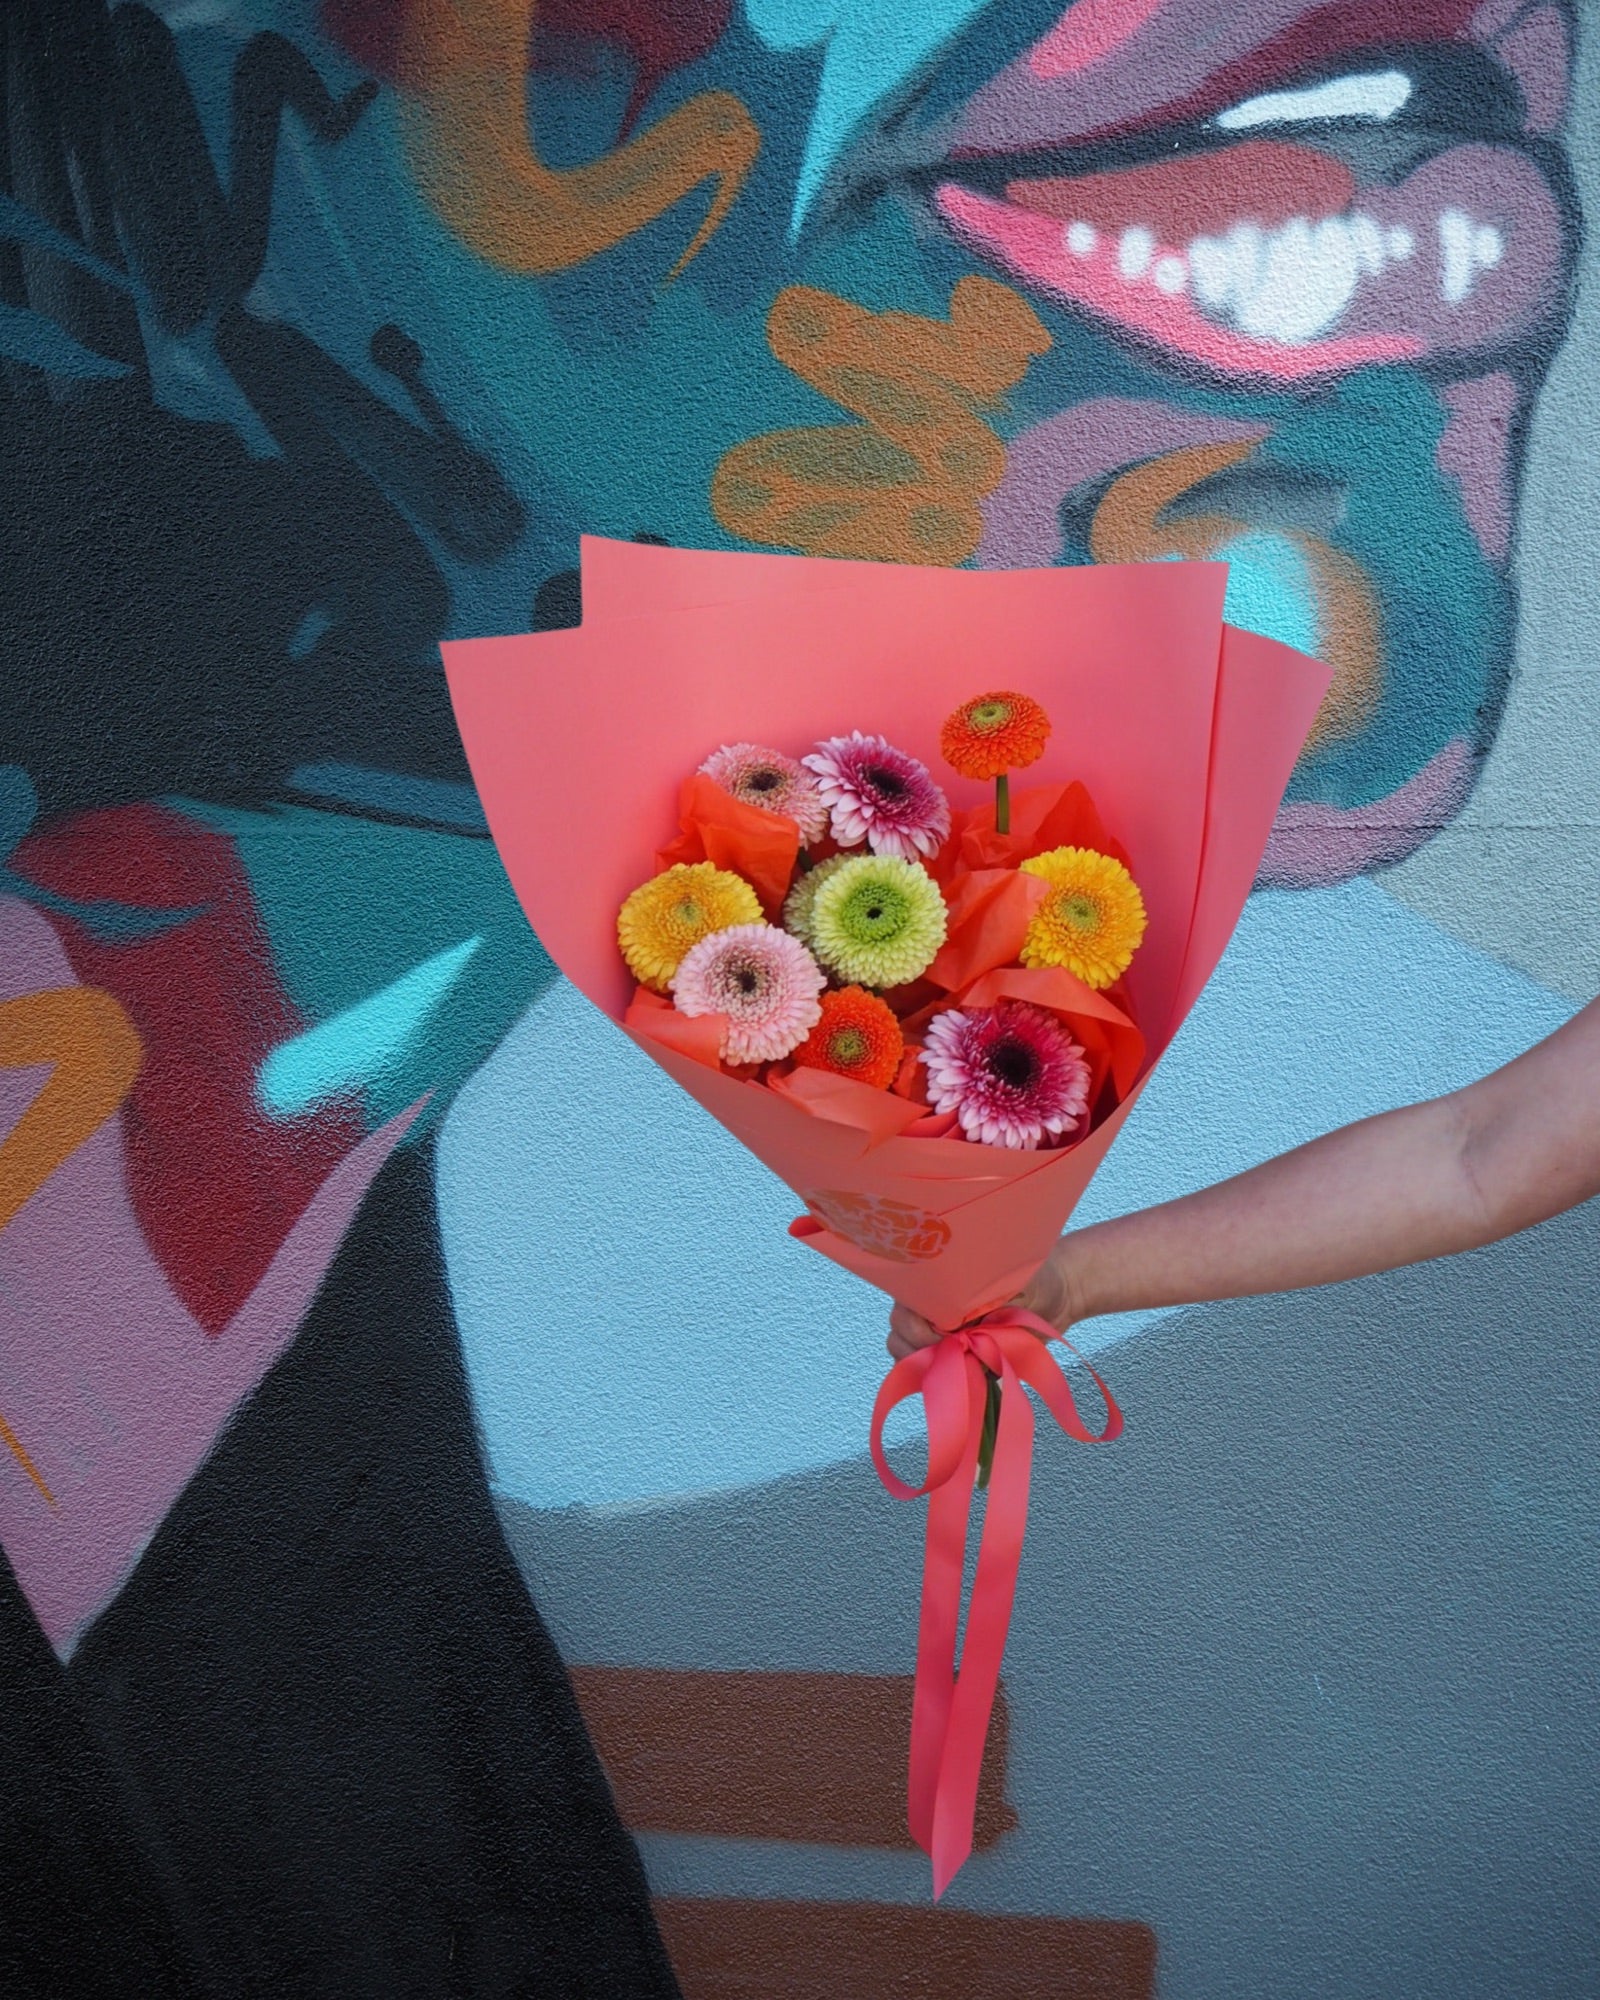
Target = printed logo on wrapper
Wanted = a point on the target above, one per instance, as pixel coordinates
(884, 1228)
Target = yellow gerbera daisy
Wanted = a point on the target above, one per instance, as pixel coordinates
(666, 917)
(1093, 919)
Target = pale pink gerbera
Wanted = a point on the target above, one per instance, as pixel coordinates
(775, 783)
(1012, 1074)
(765, 981)
(877, 794)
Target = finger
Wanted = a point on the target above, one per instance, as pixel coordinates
(909, 1331)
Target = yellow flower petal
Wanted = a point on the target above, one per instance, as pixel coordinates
(666, 917)
(1092, 921)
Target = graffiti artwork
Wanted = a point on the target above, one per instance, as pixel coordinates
(326, 329)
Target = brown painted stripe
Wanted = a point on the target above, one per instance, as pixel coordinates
(758, 1950)
(769, 1756)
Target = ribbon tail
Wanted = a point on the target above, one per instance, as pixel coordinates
(944, 1559)
(983, 1648)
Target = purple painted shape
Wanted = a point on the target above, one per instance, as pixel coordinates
(1492, 16)
(1021, 517)
(1538, 55)
(1315, 847)
(1475, 449)
(1164, 56)
(111, 1383)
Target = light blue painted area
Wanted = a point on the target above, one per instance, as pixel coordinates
(357, 1046)
(1330, 1005)
(635, 1318)
(873, 47)
(1271, 589)
(637, 1322)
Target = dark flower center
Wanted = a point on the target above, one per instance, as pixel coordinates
(745, 980)
(1014, 1064)
(763, 781)
(887, 784)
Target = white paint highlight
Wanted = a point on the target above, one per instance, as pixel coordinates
(1375, 96)
(1134, 251)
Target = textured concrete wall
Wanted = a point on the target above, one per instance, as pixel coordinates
(325, 331)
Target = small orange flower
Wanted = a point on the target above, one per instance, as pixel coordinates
(858, 1036)
(994, 734)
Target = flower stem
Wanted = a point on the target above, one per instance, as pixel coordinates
(1002, 803)
(990, 1431)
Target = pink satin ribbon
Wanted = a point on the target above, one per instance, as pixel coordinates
(950, 1712)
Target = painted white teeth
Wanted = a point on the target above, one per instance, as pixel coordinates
(1465, 249)
(1307, 280)
(1211, 267)
(1134, 251)
(1367, 239)
(1292, 284)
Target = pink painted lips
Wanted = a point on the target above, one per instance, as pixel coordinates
(1264, 260)
(1282, 192)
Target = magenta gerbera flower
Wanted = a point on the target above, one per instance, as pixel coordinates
(765, 981)
(1012, 1074)
(775, 783)
(877, 794)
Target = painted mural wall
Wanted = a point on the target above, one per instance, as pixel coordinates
(325, 330)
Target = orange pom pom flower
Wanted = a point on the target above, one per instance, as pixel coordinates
(858, 1036)
(992, 735)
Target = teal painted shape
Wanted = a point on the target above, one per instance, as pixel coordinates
(350, 907)
(872, 49)
(1446, 615)
(355, 1048)
(32, 338)
(1271, 589)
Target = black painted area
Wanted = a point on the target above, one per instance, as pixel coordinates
(198, 603)
(347, 1759)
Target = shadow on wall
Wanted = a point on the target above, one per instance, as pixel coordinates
(1303, 1671)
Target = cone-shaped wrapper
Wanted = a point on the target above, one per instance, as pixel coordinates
(1182, 731)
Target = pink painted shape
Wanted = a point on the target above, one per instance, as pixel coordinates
(1087, 33)
(1021, 518)
(1538, 55)
(1475, 450)
(1314, 847)
(1032, 246)
(111, 1383)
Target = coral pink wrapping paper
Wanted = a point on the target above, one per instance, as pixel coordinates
(1184, 730)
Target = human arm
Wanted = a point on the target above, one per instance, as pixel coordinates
(1426, 1181)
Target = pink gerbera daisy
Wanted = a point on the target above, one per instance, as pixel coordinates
(1012, 1074)
(765, 981)
(877, 794)
(775, 783)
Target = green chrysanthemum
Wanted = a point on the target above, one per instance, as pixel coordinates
(797, 905)
(877, 920)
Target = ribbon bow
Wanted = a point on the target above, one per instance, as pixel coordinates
(950, 1712)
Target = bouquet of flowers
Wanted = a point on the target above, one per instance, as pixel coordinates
(917, 941)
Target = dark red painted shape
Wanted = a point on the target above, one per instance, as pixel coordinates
(656, 36)
(215, 1182)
